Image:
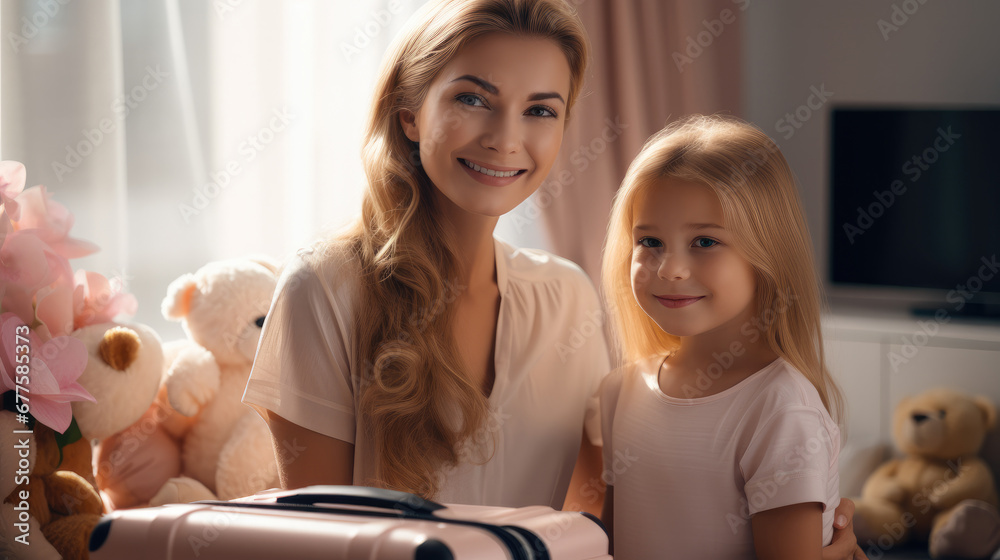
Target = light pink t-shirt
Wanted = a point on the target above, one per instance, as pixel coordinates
(689, 473)
(550, 358)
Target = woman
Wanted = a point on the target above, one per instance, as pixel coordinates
(417, 352)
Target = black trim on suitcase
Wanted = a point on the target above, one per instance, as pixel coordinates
(433, 549)
(360, 496)
(597, 520)
(99, 534)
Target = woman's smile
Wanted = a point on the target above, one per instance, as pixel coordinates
(491, 174)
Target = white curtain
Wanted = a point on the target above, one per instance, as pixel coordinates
(180, 132)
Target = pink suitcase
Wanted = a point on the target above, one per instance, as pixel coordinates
(346, 522)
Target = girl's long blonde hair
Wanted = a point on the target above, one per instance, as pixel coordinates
(761, 206)
(415, 400)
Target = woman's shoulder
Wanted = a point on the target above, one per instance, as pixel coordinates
(327, 265)
(539, 265)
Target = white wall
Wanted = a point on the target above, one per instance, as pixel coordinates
(944, 52)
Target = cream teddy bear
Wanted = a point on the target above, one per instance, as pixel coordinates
(940, 492)
(226, 449)
(125, 367)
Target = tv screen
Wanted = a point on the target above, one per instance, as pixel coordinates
(915, 199)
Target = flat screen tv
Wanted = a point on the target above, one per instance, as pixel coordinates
(915, 204)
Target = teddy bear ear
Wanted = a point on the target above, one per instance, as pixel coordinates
(177, 304)
(988, 410)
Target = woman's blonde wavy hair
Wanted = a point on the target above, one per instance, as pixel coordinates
(761, 206)
(415, 401)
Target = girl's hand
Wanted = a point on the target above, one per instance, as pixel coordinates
(844, 545)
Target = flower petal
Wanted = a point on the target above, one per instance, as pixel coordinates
(12, 176)
(23, 260)
(54, 308)
(55, 415)
(65, 357)
(18, 301)
(41, 382)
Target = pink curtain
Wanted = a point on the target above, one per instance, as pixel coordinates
(652, 62)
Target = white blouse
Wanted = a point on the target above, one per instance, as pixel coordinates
(550, 357)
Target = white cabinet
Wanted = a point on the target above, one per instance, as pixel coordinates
(879, 358)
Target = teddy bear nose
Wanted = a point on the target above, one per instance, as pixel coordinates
(918, 418)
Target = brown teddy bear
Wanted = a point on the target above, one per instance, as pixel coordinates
(64, 505)
(124, 364)
(940, 492)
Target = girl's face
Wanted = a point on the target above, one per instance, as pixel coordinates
(686, 274)
(492, 121)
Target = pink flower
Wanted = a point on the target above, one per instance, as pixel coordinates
(54, 308)
(51, 222)
(53, 368)
(12, 175)
(63, 307)
(96, 300)
(27, 264)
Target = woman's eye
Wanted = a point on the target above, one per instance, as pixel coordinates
(650, 242)
(470, 99)
(705, 242)
(541, 111)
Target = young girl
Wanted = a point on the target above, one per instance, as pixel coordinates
(718, 435)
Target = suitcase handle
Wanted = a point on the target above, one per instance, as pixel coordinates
(361, 496)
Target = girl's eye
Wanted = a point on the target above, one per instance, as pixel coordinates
(650, 242)
(470, 99)
(541, 111)
(705, 242)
